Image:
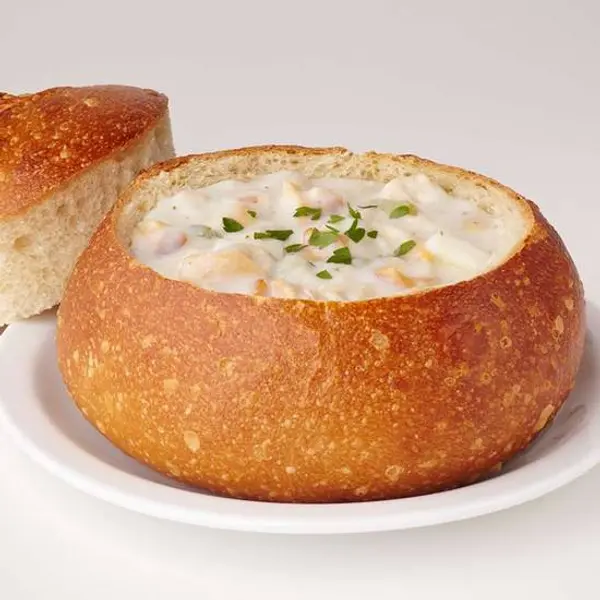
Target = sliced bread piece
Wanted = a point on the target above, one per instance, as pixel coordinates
(65, 156)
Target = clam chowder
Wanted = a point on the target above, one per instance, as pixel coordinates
(289, 236)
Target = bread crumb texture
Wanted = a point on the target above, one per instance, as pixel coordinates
(304, 401)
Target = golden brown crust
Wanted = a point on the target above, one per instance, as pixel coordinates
(296, 400)
(49, 137)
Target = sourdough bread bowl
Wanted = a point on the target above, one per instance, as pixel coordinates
(65, 155)
(300, 399)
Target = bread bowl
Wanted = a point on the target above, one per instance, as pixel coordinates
(65, 155)
(311, 399)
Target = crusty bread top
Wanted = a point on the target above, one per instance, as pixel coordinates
(49, 137)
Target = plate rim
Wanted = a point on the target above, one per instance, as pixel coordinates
(110, 484)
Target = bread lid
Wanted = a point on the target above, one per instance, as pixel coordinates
(49, 137)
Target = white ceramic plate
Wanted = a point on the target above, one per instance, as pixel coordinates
(35, 409)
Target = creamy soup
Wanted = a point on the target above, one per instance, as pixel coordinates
(289, 236)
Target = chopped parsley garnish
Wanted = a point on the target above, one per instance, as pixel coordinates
(336, 219)
(355, 233)
(331, 228)
(373, 234)
(308, 211)
(252, 213)
(321, 239)
(340, 256)
(231, 225)
(405, 248)
(273, 234)
(354, 213)
(368, 206)
(324, 275)
(292, 248)
(402, 211)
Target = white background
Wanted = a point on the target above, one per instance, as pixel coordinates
(508, 88)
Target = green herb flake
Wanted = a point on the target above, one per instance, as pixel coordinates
(308, 211)
(373, 234)
(231, 225)
(324, 275)
(336, 219)
(321, 239)
(405, 248)
(403, 210)
(341, 256)
(355, 233)
(354, 213)
(293, 248)
(368, 206)
(331, 228)
(252, 213)
(273, 234)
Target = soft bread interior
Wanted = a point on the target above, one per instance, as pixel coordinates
(201, 171)
(38, 250)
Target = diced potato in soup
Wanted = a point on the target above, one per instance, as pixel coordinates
(285, 235)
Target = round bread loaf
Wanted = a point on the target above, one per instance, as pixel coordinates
(298, 400)
(65, 155)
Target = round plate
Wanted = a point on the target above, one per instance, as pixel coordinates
(36, 410)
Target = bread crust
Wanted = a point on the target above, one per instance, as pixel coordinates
(50, 137)
(308, 401)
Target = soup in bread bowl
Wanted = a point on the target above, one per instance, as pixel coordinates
(313, 325)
